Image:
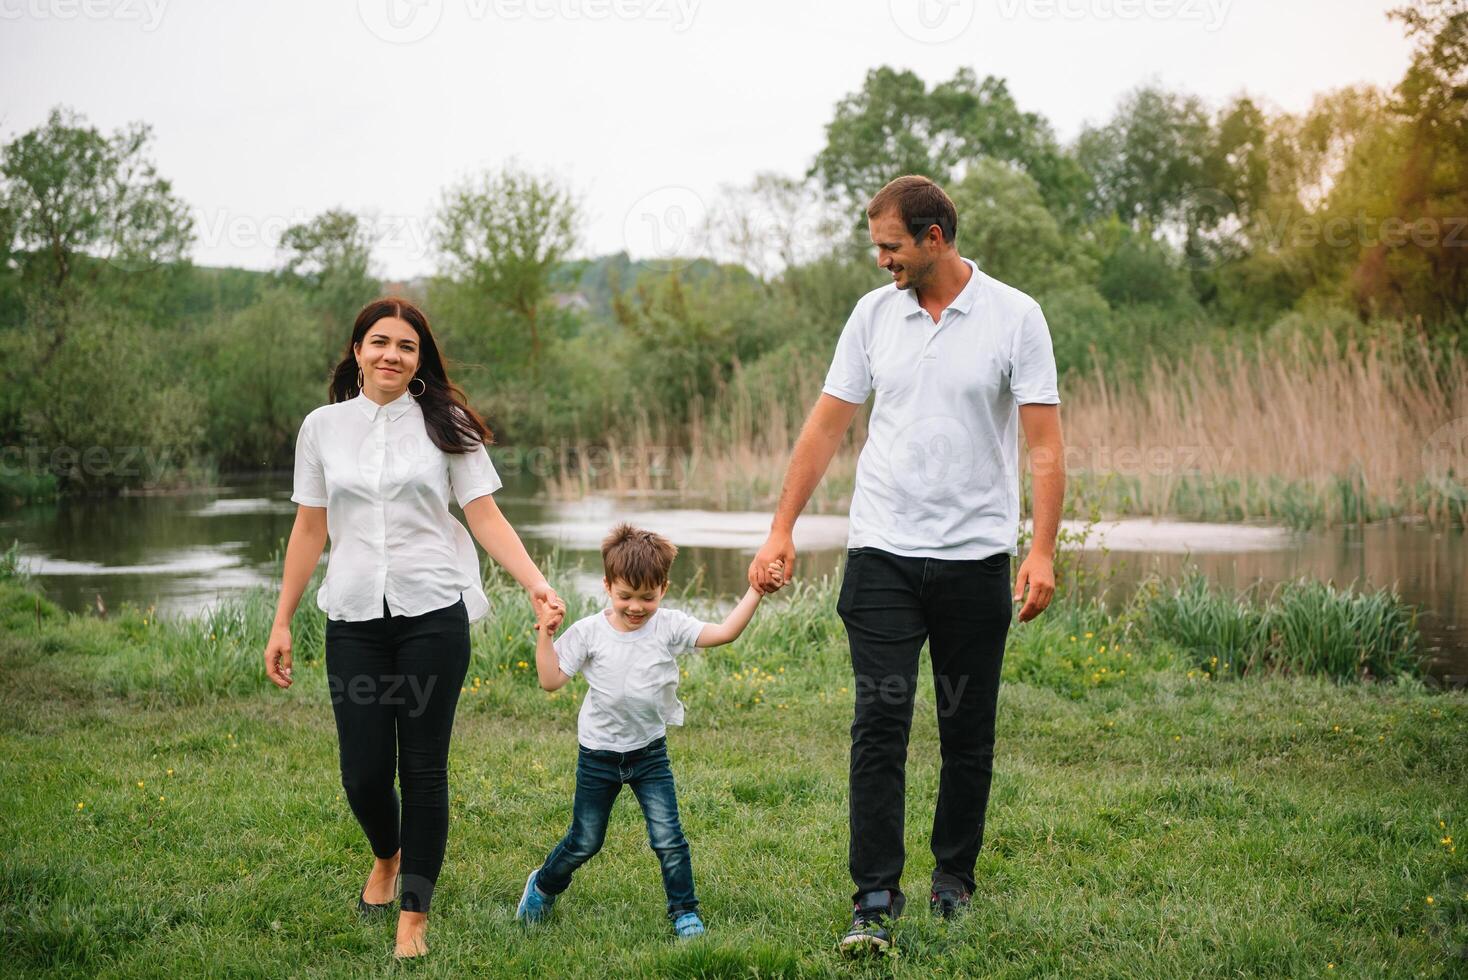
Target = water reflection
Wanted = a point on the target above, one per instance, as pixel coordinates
(181, 553)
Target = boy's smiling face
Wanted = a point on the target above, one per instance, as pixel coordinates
(633, 606)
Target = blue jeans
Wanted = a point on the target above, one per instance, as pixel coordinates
(600, 776)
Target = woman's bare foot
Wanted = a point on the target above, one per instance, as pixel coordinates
(412, 927)
(382, 883)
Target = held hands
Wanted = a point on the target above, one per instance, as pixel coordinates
(779, 549)
(549, 614)
(278, 656)
(775, 572)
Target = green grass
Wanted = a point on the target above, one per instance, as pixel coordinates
(1144, 822)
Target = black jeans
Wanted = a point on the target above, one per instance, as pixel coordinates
(394, 685)
(890, 604)
(600, 775)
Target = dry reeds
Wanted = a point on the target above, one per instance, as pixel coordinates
(1304, 432)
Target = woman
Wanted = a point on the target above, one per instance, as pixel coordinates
(374, 471)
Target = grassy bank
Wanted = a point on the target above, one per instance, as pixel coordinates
(167, 813)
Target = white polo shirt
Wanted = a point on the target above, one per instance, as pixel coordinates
(632, 677)
(939, 474)
(386, 487)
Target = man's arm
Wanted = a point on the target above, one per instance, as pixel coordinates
(1047, 465)
(819, 439)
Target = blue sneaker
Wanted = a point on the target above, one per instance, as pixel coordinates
(535, 904)
(688, 925)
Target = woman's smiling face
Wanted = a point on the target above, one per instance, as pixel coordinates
(388, 357)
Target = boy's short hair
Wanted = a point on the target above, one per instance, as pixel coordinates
(640, 558)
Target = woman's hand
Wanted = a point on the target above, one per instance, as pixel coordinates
(543, 593)
(278, 656)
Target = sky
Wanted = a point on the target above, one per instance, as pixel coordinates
(268, 112)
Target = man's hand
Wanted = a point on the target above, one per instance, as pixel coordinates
(1038, 572)
(778, 547)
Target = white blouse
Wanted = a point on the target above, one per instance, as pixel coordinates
(385, 487)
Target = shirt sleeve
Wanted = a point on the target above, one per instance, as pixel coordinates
(850, 376)
(1032, 363)
(572, 650)
(681, 631)
(472, 475)
(310, 481)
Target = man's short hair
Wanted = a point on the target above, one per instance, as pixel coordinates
(920, 204)
(640, 558)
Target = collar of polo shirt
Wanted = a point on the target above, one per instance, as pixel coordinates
(394, 409)
(963, 302)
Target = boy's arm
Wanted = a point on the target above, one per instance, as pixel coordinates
(728, 631)
(547, 666)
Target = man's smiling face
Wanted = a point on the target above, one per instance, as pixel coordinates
(911, 263)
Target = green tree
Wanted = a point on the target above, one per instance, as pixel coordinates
(329, 260)
(894, 125)
(255, 411)
(503, 235)
(1147, 164)
(99, 406)
(1003, 225)
(73, 194)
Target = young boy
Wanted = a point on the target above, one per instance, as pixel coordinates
(628, 653)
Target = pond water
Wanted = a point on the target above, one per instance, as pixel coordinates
(182, 553)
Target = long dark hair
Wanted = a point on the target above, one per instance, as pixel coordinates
(453, 426)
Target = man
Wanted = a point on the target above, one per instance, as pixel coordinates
(953, 356)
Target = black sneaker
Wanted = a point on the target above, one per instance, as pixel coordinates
(871, 921)
(948, 902)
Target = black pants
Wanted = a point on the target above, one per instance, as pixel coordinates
(394, 685)
(890, 605)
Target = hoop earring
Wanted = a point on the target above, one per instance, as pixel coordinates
(360, 379)
(418, 393)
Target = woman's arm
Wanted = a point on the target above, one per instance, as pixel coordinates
(302, 553)
(495, 536)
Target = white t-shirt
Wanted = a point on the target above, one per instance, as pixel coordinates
(386, 489)
(939, 474)
(632, 678)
